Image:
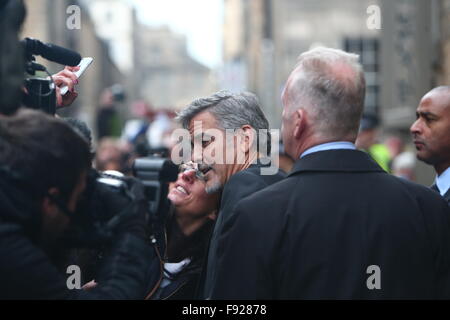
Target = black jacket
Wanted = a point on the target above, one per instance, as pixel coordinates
(27, 272)
(316, 234)
(183, 285)
(239, 186)
(446, 195)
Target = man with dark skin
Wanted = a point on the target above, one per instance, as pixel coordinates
(431, 136)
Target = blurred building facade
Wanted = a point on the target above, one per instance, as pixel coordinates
(116, 24)
(115, 21)
(411, 63)
(263, 38)
(443, 51)
(169, 77)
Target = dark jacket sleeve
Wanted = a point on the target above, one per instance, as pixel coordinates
(436, 214)
(26, 272)
(443, 254)
(243, 268)
(239, 186)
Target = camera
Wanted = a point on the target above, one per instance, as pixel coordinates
(107, 200)
(110, 198)
(40, 91)
(156, 173)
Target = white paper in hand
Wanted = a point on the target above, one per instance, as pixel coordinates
(84, 63)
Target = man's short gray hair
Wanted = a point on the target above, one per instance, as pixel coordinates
(231, 111)
(330, 83)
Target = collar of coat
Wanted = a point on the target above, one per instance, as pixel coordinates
(340, 160)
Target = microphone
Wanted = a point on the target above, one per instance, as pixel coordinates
(51, 52)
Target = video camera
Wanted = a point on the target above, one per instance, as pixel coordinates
(156, 173)
(110, 197)
(41, 92)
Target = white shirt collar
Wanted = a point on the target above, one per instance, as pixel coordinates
(329, 146)
(443, 181)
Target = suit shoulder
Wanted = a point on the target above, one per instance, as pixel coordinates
(273, 196)
(419, 190)
(427, 199)
(253, 175)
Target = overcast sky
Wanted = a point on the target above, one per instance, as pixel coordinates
(200, 20)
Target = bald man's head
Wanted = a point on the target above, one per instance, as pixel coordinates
(328, 84)
(439, 95)
(431, 130)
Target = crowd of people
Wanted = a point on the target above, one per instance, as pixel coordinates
(339, 219)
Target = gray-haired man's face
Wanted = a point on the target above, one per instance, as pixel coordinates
(200, 128)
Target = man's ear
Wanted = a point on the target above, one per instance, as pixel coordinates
(247, 138)
(48, 205)
(300, 119)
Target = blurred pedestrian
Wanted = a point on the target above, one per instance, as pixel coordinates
(108, 120)
(367, 141)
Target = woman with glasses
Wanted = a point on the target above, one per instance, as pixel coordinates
(188, 231)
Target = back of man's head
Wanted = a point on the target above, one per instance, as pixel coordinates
(12, 60)
(329, 84)
(41, 152)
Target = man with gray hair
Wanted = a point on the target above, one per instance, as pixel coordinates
(231, 141)
(338, 226)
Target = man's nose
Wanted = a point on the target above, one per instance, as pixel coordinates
(188, 176)
(415, 127)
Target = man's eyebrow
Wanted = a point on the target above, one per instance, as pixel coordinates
(426, 114)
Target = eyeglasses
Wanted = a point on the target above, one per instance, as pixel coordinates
(192, 166)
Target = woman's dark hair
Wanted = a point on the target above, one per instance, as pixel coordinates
(43, 152)
(12, 15)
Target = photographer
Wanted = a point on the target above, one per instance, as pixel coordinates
(38, 200)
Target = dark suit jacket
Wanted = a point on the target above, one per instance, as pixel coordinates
(239, 186)
(446, 195)
(316, 234)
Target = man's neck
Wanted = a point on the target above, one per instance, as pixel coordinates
(441, 167)
(189, 225)
(315, 142)
(250, 158)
